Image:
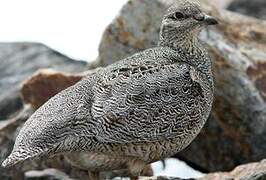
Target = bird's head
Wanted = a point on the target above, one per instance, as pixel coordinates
(183, 21)
(58, 126)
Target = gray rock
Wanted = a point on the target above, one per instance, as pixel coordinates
(251, 171)
(134, 30)
(47, 174)
(236, 130)
(159, 178)
(19, 61)
(255, 8)
(7, 133)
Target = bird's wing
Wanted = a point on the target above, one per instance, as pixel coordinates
(142, 104)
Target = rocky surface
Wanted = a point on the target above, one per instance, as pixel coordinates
(46, 174)
(252, 171)
(19, 61)
(34, 90)
(255, 8)
(236, 130)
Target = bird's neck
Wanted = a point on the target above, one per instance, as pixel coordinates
(188, 46)
(187, 42)
(191, 50)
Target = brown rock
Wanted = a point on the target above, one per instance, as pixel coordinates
(44, 84)
(252, 171)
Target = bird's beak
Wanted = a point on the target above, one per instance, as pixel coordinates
(209, 20)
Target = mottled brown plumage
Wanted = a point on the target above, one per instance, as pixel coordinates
(137, 111)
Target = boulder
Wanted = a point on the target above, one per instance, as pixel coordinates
(18, 62)
(46, 174)
(236, 130)
(44, 84)
(251, 171)
(255, 8)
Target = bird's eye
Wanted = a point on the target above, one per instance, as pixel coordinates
(178, 15)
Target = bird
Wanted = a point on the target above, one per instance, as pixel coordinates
(136, 111)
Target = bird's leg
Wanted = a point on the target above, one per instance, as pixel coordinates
(135, 167)
(94, 175)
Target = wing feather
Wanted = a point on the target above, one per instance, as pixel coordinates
(141, 105)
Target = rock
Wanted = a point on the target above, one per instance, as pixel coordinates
(19, 61)
(44, 84)
(130, 32)
(10, 103)
(7, 133)
(46, 174)
(159, 178)
(254, 8)
(252, 171)
(236, 130)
